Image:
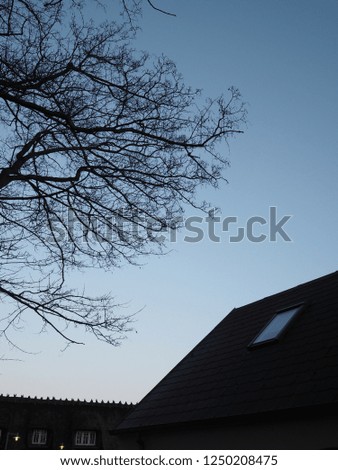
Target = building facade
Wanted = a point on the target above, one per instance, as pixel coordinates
(37, 423)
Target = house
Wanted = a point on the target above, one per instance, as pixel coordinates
(37, 423)
(265, 378)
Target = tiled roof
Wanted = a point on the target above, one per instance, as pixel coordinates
(58, 401)
(222, 378)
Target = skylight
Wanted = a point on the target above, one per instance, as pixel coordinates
(276, 326)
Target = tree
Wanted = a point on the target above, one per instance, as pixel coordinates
(101, 149)
(132, 9)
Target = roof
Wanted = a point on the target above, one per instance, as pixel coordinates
(57, 401)
(222, 378)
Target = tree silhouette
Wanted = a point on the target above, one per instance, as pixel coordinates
(101, 148)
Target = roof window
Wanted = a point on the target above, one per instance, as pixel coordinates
(277, 326)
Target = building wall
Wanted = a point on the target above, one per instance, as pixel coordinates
(61, 419)
(312, 433)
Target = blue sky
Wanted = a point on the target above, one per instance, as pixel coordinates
(283, 57)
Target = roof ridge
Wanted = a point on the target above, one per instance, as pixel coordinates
(84, 401)
(280, 293)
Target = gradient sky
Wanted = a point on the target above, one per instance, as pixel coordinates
(283, 56)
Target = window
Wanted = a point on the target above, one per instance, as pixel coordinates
(276, 326)
(39, 437)
(85, 438)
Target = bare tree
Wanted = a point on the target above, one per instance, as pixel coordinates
(101, 148)
(133, 8)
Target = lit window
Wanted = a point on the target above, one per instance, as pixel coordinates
(39, 436)
(276, 326)
(85, 438)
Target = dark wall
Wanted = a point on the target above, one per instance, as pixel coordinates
(61, 419)
(300, 433)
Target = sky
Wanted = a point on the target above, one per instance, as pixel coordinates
(283, 56)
